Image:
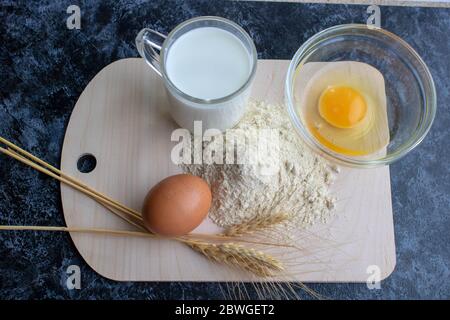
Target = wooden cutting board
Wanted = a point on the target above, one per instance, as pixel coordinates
(121, 119)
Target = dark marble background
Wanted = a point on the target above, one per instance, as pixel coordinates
(44, 67)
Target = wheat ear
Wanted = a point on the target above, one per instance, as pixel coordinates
(248, 259)
(256, 224)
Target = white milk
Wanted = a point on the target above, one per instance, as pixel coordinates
(208, 63)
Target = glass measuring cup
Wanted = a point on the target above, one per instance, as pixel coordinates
(221, 113)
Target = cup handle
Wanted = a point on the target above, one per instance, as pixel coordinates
(148, 49)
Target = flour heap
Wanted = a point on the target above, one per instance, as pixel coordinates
(299, 186)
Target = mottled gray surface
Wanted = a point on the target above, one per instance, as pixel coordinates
(44, 67)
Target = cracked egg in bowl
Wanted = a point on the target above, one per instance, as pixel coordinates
(359, 96)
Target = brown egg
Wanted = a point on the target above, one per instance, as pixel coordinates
(176, 205)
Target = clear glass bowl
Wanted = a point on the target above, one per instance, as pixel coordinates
(410, 90)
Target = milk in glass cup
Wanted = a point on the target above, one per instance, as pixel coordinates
(207, 65)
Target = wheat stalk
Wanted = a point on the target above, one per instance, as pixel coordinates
(251, 260)
(256, 223)
(248, 259)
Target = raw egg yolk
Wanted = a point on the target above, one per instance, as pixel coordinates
(342, 107)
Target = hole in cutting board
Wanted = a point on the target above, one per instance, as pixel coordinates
(86, 163)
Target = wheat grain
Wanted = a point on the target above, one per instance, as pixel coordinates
(256, 224)
(251, 260)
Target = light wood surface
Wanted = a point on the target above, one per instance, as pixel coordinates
(120, 118)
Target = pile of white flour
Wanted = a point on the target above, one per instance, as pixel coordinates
(288, 178)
